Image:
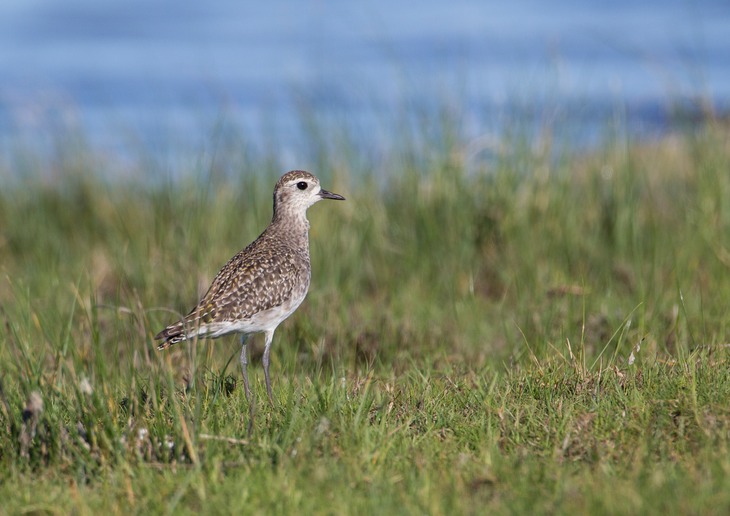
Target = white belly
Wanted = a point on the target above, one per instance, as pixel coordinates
(264, 321)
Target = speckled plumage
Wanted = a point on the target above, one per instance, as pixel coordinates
(264, 283)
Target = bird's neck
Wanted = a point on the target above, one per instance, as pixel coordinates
(292, 227)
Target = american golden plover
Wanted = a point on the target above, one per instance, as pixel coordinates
(263, 284)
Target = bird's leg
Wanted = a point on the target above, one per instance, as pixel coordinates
(267, 351)
(244, 366)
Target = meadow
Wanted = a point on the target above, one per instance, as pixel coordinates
(529, 329)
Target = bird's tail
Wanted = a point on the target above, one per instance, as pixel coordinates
(171, 335)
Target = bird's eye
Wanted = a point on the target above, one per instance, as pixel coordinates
(302, 185)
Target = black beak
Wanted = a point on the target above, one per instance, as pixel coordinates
(324, 194)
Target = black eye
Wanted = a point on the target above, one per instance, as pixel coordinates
(302, 185)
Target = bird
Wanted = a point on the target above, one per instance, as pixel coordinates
(264, 283)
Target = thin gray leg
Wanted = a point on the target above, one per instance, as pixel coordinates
(267, 351)
(244, 366)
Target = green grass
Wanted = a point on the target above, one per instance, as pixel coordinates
(540, 331)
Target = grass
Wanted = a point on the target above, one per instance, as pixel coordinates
(540, 331)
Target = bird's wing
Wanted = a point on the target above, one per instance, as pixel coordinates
(256, 279)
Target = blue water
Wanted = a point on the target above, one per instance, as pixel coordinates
(128, 71)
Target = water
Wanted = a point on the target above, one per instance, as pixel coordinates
(161, 73)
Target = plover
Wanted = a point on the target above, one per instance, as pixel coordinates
(264, 283)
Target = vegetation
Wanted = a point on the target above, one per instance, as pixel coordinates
(540, 330)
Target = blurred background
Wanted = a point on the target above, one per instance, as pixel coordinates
(164, 76)
(525, 294)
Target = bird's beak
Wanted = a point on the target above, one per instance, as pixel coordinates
(324, 194)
